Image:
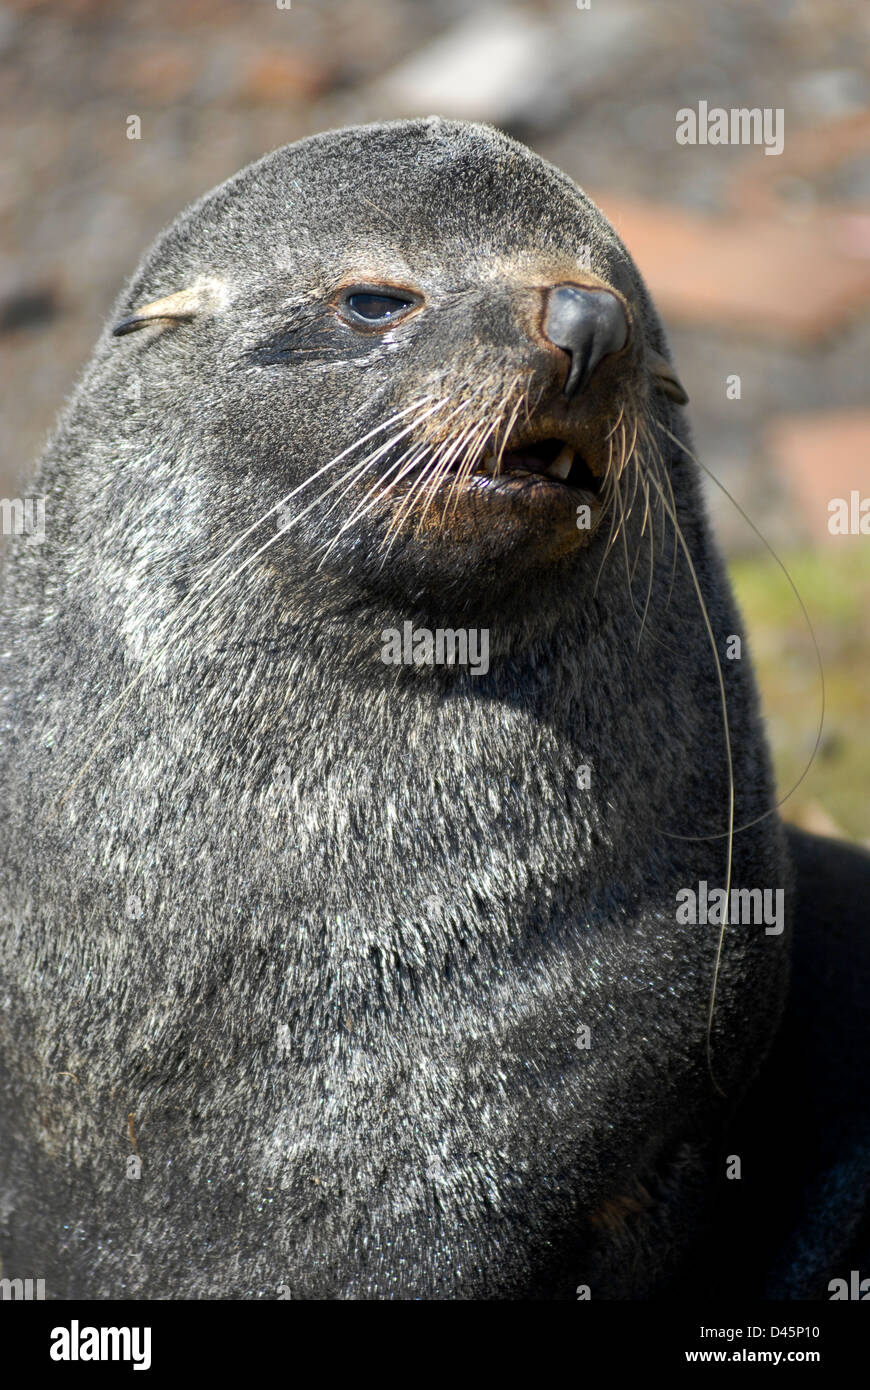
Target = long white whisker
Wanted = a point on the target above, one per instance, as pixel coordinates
(727, 733)
(746, 825)
(123, 697)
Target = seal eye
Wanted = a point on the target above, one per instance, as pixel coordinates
(373, 308)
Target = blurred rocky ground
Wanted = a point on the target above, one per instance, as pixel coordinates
(760, 263)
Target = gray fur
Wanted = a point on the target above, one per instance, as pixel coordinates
(327, 928)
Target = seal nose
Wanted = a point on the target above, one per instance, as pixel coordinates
(589, 325)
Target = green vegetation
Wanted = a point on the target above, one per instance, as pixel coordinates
(835, 587)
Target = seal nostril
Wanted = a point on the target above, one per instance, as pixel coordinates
(587, 324)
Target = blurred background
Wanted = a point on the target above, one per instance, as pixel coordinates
(760, 264)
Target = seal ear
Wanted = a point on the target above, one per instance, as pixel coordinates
(665, 378)
(180, 307)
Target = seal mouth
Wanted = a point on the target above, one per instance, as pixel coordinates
(556, 461)
(538, 469)
(547, 481)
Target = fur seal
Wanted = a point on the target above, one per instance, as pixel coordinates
(334, 964)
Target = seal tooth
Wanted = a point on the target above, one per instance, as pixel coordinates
(561, 467)
(487, 465)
